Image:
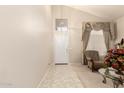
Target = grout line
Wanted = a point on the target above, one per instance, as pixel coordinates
(84, 86)
(46, 73)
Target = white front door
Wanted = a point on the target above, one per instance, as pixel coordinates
(61, 45)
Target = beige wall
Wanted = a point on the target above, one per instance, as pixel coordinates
(75, 19)
(120, 29)
(25, 44)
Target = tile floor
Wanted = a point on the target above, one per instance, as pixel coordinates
(60, 76)
(88, 78)
(73, 75)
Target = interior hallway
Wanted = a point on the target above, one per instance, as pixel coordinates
(73, 76)
(27, 45)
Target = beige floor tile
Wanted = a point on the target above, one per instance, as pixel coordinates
(73, 75)
(61, 76)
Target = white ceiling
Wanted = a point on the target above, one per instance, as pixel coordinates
(105, 11)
